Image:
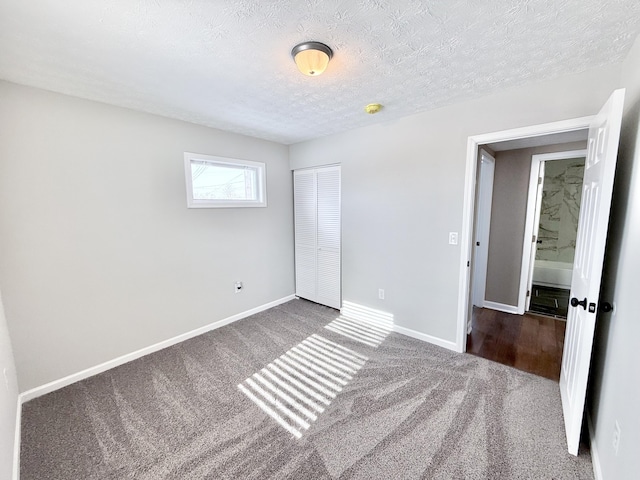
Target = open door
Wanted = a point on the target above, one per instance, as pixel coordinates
(483, 227)
(602, 151)
(539, 182)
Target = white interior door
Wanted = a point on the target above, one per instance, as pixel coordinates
(306, 228)
(483, 227)
(317, 235)
(604, 134)
(328, 186)
(536, 230)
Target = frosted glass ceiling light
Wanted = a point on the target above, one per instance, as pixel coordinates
(311, 58)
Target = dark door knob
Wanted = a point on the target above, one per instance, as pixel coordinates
(575, 302)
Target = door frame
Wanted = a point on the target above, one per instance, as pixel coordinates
(532, 218)
(468, 210)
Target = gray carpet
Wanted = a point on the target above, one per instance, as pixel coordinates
(401, 410)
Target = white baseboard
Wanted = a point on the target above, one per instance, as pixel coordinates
(426, 338)
(16, 441)
(89, 372)
(595, 456)
(501, 307)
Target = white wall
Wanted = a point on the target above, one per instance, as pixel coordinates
(8, 399)
(403, 187)
(615, 394)
(99, 255)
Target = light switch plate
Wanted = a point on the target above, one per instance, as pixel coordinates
(453, 238)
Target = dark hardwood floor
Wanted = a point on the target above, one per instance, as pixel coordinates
(528, 342)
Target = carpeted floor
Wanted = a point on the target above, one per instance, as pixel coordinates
(216, 407)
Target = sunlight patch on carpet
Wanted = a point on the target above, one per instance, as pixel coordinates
(362, 324)
(296, 387)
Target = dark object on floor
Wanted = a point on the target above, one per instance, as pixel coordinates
(549, 301)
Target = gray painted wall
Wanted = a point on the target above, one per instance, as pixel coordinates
(508, 211)
(100, 256)
(615, 394)
(8, 399)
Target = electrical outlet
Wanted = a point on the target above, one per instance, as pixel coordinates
(381, 294)
(616, 437)
(453, 238)
(238, 286)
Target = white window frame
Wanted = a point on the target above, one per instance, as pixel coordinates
(261, 182)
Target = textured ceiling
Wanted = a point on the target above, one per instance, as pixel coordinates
(226, 64)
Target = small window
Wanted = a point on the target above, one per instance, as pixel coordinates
(214, 182)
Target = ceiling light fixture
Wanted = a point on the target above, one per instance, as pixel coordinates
(312, 58)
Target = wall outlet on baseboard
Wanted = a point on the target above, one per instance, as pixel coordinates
(238, 286)
(381, 293)
(616, 437)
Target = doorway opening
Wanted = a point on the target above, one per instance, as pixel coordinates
(527, 192)
(599, 171)
(555, 194)
(566, 131)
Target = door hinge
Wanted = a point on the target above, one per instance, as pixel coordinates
(528, 293)
(468, 263)
(534, 239)
(539, 180)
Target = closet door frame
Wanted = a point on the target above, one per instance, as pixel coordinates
(317, 250)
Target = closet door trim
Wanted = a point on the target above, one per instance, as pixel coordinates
(317, 216)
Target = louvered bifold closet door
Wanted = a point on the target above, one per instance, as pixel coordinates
(306, 227)
(317, 232)
(328, 236)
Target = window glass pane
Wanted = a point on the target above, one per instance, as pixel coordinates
(214, 181)
(220, 182)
